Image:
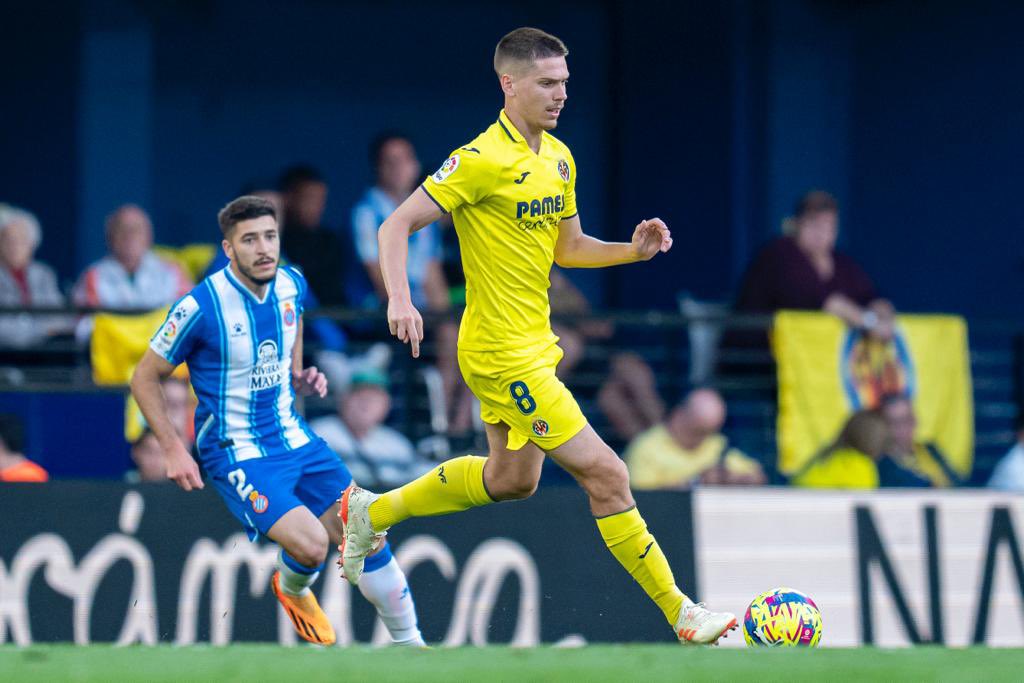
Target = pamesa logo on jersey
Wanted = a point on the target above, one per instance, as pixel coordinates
(266, 374)
(543, 212)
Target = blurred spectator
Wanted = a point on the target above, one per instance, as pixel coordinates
(397, 172)
(25, 282)
(906, 461)
(629, 396)
(304, 241)
(376, 454)
(131, 275)
(850, 461)
(688, 448)
(148, 457)
(1008, 474)
(802, 270)
(14, 466)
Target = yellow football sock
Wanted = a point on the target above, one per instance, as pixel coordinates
(452, 486)
(626, 535)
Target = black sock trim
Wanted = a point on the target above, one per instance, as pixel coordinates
(483, 482)
(631, 507)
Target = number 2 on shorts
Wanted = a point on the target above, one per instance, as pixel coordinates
(521, 395)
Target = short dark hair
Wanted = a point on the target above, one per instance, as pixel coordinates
(293, 176)
(12, 432)
(382, 139)
(243, 209)
(815, 201)
(526, 45)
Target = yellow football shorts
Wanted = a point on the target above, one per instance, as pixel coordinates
(523, 392)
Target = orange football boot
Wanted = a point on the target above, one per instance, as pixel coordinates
(309, 620)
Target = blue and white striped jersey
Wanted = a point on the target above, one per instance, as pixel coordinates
(239, 354)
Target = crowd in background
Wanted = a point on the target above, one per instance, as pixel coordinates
(669, 441)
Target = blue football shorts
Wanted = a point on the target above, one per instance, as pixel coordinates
(261, 490)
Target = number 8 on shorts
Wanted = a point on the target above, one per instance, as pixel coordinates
(521, 395)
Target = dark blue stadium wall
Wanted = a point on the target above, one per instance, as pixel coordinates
(713, 115)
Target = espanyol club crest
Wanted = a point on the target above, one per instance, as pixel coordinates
(447, 168)
(260, 503)
(563, 169)
(540, 427)
(289, 314)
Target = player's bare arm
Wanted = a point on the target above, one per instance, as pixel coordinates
(575, 249)
(404, 321)
(307, 381)
(145, 386)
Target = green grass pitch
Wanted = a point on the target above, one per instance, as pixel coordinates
(490, 665)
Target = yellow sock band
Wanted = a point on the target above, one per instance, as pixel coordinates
(635, 548)
(452, 486)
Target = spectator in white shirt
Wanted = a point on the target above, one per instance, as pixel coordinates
(131, 275)
(376, 454)
(26, 282)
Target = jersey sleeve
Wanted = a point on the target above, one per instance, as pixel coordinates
(304, 299)
(180, 333)
(570, 190)
(364, 231)
(465, 177)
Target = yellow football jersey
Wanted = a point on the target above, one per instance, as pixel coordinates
(507, 203)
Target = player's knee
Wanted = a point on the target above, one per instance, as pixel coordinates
(514, 488)
(607, 477)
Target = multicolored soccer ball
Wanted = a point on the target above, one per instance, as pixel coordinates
(782, 617)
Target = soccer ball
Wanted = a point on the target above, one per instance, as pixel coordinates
(782, 617)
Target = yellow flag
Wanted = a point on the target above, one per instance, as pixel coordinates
(826, 371)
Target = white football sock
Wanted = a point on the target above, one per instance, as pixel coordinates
(389, 592)
(294, 582)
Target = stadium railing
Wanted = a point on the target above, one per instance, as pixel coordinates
(666, 340)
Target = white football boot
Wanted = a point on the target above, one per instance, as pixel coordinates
(698, 625)
(358, 537)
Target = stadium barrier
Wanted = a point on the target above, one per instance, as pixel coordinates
(96, 561)
(889, 568)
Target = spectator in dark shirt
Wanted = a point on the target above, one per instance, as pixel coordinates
(802, 270)
(906, 460)
(305, 242)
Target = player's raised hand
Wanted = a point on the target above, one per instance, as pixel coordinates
(182, 468)
(650, 237)
(310, 381)
(406, 323)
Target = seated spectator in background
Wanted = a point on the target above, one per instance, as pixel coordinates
(14, 466)
(688, 448)
(131, 275)
(26, 282)
(629, 396)
(1008, 474)
(904, 460)
(802, 270)
(397, 174)
(148, 457)
(305, 241)
(376, 454)
(850, 462)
